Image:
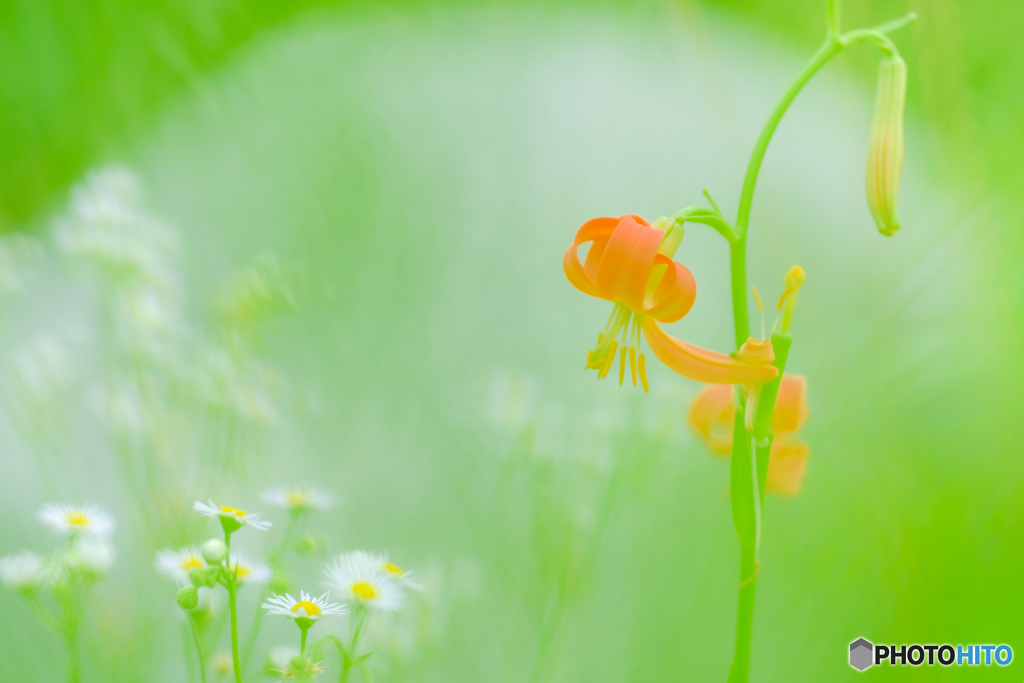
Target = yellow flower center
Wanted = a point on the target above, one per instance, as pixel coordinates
(241, 571)
(77, 518)
(311, 608)
(232, 511)
(296, 498)
(191, 562)
(363, 590)
(394, 569)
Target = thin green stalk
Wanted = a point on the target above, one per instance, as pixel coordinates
(200, 650)
(348, 659)
(740, 670)
(232, 585)
(738, 249)
(748, 469)
(74, 656)
(277, 556)
(69, 628)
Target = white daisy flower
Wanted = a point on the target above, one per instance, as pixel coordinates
(298, 498)
(250, 571)
(239, 518)
(89, 557)
(24, 571)
(306, 607)
(361, 577)
(176, 564)
(71, 520)
(402, 576)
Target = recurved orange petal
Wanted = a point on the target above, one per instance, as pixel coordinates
(626, 262)
(787, 465)
(711, 418)
(791, 404)
(596, 230)
(675, 293)
(701, 364)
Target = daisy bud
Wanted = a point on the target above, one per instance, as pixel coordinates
(188, 598)
(214, 551)
(201, 577)
(885, 148)
(279, 582)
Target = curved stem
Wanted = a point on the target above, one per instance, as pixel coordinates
(869, 35)
(738, 249)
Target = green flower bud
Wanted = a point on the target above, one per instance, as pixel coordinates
(204, 577)
(279, 582)
(885, 148)
(214, 551)
(188, 598)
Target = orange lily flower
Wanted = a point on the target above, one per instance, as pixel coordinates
(711, 419)
(630, 264)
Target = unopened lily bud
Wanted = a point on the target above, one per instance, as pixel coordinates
(215, 551)
(188, 597)
(885, 148)
(794, 279)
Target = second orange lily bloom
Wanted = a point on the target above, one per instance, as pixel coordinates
(711, 419)
(629, 263)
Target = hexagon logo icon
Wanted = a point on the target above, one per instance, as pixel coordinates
(861, 654)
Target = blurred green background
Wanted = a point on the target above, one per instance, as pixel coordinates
(364, 208)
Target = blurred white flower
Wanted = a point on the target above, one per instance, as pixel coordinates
(223, 665)
(278, 657)
(70, 520)
(403, 576)
(240, 517)
(306, 607)
(211, 602)
(176, 564)
(106, 222)
(250, 571)
(360, 577)
(301, 497)
(89, 557)
(24, 571)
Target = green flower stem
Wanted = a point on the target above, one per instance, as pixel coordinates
(200, 650)
(69, 628)
(276, 559)
(763, 436)
(738, 249)
(350, 656)
(231, 583)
